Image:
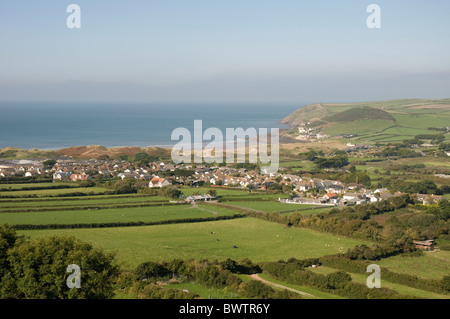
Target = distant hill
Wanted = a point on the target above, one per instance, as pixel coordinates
(83, 152)
(360, 113)
(392, 120)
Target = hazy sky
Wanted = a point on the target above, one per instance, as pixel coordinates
(259, 51)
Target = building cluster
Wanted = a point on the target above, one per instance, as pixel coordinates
(309, 133)
(304, 190)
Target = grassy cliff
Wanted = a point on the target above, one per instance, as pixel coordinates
(383, 121)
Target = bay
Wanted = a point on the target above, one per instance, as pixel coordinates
(58, 125)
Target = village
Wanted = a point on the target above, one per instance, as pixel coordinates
(301, 190)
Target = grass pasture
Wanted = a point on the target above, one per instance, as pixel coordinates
(275, 206)
(433, 265)
(401, 289)
(53, 192)
(255, 239)
(121, 215)
(387, 121)
(77, 202)
(363, 128)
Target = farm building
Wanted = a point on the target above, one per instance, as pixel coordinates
(195, 198)
(427, 244)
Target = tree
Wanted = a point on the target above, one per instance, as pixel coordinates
(122, 157)
(358, 177)
(87, 183)
(184, 174)
(125, 186)
(170, 192)
(337, 161)
(212, 192)
(142, 159)
(38, 270)
(8, 239)
(48, 164)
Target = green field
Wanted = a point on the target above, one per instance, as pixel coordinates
(78, 201)
(43, 185)
(50, 192)
(138, 214)
(310, 290)
(434, 265)
(363, 128)
(401, 289)
(274, 206)
(256, 239)
(383, 121)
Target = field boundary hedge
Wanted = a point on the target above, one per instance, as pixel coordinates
(74, 194)
(358, 267)
(46, 199)
(37, 188)
(123, 224)
(117, 206)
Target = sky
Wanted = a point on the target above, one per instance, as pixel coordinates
(227, 51)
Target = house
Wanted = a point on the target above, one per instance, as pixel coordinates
(62, 176)
(427, 244)
(105, 172)
(158, 166)
(428, 199)
(303, 186)
(33, 172)
(79, 177)
(146, 176)
(331, 196)
(266, 184)
(7, 172)
(128, 175)
(353, 186)
(351, 196)
(158, 182)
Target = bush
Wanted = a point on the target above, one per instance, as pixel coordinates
(170, 192)
(125, 186)
(150, 270)
(256, 289)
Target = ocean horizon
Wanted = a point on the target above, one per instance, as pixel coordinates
(51, 126)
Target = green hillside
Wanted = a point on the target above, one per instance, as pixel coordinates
(382, 121)
(360, 113)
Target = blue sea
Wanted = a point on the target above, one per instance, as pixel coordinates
(60, 125)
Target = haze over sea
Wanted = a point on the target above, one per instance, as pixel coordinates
(59, 125)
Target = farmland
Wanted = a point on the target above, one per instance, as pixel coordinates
(255, 239)
(98, 216)
(384, 121)
(53, 192)
(250, 224)
(402, 289)
(272, 206)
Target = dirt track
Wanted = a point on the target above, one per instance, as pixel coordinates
(256, 277)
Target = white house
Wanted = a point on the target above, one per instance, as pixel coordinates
(158, 182)
(62, 176)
